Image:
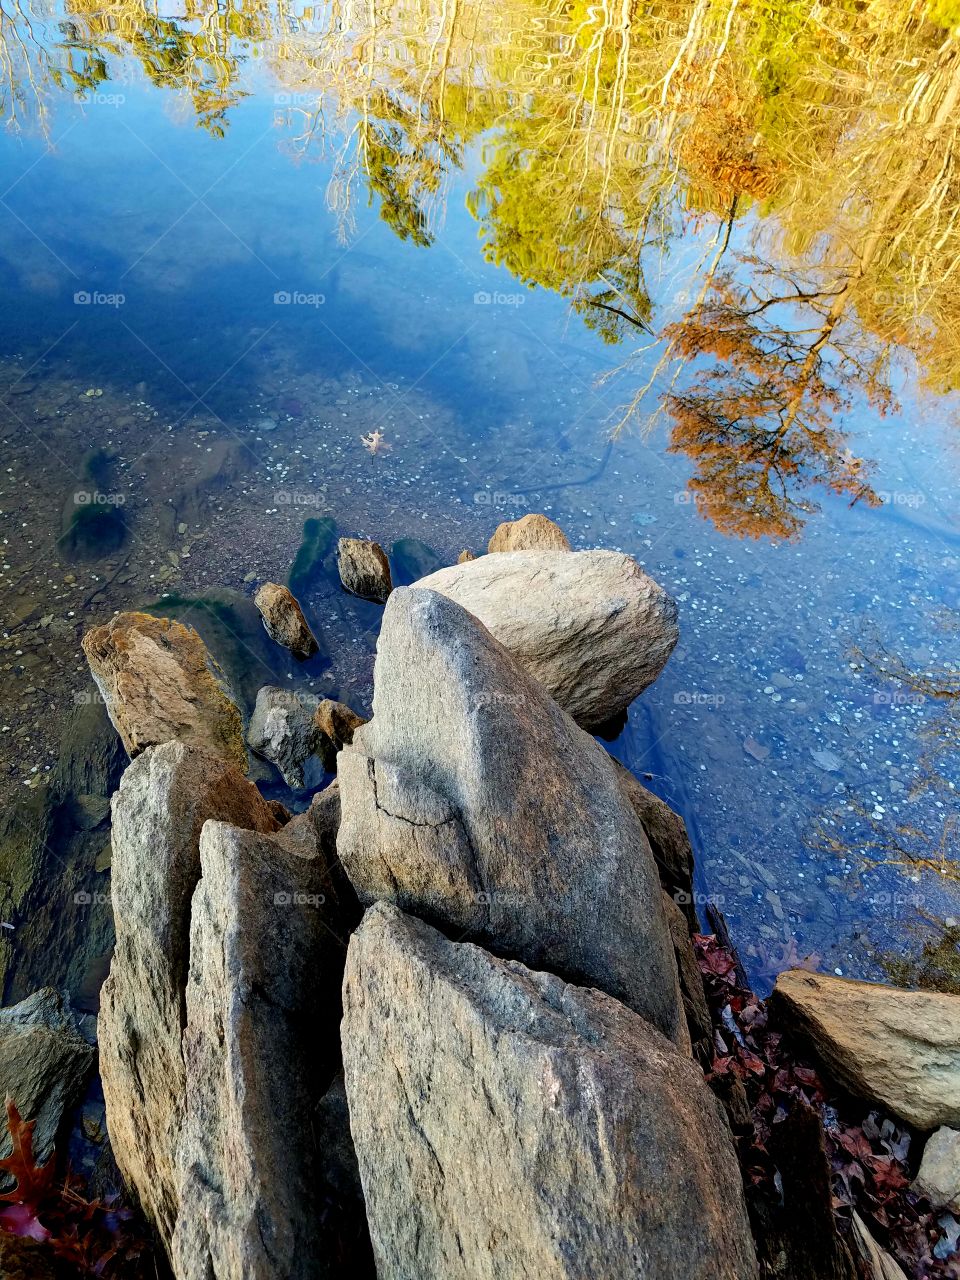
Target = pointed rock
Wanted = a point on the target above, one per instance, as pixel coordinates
(509, 1125)
(160, 685)
(284, 620)
(164, 798)
(260, 1048)
(591, 626)
(474, 801)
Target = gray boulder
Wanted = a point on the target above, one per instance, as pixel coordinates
(44, 1062)
(474, 801)
(260, 1047)
(510, 1125)
(591, 626)
(364, 569)
(283, 730)
(164, 798)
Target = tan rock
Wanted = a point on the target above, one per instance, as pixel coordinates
(465, 557)
(530, 533)
(938, 1178)
(510, 1125)
(364, 569)
(284, 620)
(336, 723)
(160, 685)
(898, 1048)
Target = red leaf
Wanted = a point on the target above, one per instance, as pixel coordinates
(33, 1183)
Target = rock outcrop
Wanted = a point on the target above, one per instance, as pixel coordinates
(283, 730)
(260, 1047)
(530, 533)
(509, 1125)
(668, 839)
(164, 799)
(284, 620)
(44, 1062)
(474, 801)
(591, 626)
(898, 1048)
(364, 569)
(160, 684)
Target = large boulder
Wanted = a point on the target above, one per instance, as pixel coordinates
(509, 1125)
(897, 1048)
(591, 626)
(530, 533)
(164, 799)
(44, 1062)
(668, 839)
(260, 1047)
(160, 684)
(284, 620)
(474, 801)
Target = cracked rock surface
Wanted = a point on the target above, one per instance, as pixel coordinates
(511, 1127)
(474, 801)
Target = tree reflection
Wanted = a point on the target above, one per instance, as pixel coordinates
(814, 147)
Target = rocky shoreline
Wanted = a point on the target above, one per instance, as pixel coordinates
(458, 1017)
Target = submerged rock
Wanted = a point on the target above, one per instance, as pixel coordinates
(160, 684)
(509, 1125)
(591, 626)
(364, 569)
(164, 799)
(283, 730)
(412, 560)
(473, 800)
(284, 620)
(530, 533)
(898, 1048)
(44, 1062)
